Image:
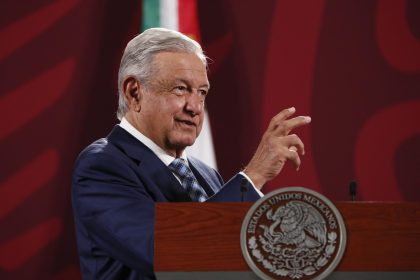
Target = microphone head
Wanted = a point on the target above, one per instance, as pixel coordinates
(353, 189)
(244, 184)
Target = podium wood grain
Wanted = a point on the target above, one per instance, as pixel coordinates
(205, 236)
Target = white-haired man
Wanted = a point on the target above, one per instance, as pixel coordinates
(162, 90)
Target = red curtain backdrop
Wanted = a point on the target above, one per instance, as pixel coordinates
(353, 66)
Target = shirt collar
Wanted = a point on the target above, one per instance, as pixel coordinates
(159, 152)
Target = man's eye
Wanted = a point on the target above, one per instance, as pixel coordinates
(203, 92)
(180, 89)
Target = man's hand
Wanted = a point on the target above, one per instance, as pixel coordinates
(276, 147)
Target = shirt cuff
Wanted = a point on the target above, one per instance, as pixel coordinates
(250, 181)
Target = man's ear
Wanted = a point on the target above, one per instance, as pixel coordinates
(132, 93)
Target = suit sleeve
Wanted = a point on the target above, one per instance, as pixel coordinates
(114, 211)
(231, 191)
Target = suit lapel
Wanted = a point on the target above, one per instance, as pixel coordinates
(203, 183)
(202, 173)
(155, 175)
(154, 170)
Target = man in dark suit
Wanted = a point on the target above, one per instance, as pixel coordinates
(162, 89)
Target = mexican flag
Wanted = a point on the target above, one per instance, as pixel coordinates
(182, 15)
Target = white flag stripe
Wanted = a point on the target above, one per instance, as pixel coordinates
(169, 14)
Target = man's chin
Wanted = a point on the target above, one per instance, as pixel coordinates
(182, 143)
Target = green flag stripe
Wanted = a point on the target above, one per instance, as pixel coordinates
(151, 14)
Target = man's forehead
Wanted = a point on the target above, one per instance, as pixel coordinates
(181, 66)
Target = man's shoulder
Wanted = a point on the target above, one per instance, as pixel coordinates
(98, 146)
(104, 156)
(117, 149)
(102, 149)
(113, 145)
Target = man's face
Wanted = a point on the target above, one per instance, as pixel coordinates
(172, 106)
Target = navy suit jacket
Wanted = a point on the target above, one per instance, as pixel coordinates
(116, 182)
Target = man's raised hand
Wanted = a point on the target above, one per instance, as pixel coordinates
(276, 147)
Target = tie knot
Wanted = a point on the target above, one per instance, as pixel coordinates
(180, 167)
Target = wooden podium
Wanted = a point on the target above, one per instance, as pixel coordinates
(199, 239)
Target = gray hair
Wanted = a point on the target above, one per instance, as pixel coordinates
(138, 57)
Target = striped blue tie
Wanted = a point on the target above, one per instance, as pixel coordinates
(188, 181)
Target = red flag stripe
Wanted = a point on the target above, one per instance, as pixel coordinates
(188, 19)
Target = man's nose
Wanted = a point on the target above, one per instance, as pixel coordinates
(195, 103)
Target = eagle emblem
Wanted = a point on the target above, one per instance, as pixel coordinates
(293, 233)
(296, 223)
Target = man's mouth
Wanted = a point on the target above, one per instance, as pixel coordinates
(187, 122)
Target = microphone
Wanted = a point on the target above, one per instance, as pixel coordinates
(244, 188)
(353, 190)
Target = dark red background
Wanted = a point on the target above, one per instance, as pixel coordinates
(353, 66)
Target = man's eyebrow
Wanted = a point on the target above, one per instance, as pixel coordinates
(181, 80)
(207, 86)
